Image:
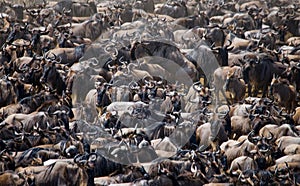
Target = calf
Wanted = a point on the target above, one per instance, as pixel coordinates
(284, 93)
(235, 86)
(220, 75)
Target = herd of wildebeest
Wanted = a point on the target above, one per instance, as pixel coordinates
(150, 92)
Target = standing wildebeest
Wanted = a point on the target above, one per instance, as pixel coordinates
(52, 78)
(259, 73)
(235, 86)
(222, 53)
(220, 76)
(284, 93)
(7, 93)
(213, 133)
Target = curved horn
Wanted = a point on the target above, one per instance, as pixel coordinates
(194, 168)
(113, 55)
(133, 85)
(230, 42)
(184, 40)
(270, 137)
(76, 158)
(59, 61)
(195, 84)
(51, 59)
(92, 156)
(146, 81)
(250, 136)
(109, 66)
(23, 67)
(95, 62)
(264, 150)
(121, 60)
(276, 170)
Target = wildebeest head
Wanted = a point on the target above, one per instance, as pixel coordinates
(222, 53)
(229, 80)
(79, 51)
(215, 35)
(250, 63)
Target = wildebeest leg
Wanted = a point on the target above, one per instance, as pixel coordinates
(249, 87)
(264, 91)
(224, 95)
(255, 91)
(217, 96)
(100, 112)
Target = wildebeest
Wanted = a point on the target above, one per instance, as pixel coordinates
(53, 174)
(68, 56)
(258, 73)
(78, 9)
(235, 86)
(284, 93)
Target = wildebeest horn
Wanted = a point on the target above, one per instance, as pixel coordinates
(109, 66)
(133, 85)
(1, 153)
(212, 89)
(250, 136)
(95, 62)
(227, 46)
(76, 158)
(145, 80)
(264, 150)
(276, 170)
(124, 63)
(92, 156)
(159, 169)
(206, 102)
(23, 67)
(236, 173)
(221, 2)
(194, 168)
(55, 128)
(18, 134)
(205, 153)
(183, 39)
(218, 151)
(196, 84)
(59, 61)
(113, 55)
(51, 59)
(287, 166)
(271, 136)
